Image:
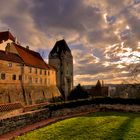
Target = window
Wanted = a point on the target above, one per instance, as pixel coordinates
(9, 64)
(36, 80)
(3, 76)
(30, 70)
(40, 71)
(25, 77)
(20, 77)
(48, 82)
(36, 71)
(14, 77)
(30, 80)
(40, 80)
(45, 80)
(45, 72)
(48, 73)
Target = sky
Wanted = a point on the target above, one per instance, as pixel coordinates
(103, 35)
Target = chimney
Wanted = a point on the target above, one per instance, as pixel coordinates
(7, 48)
(27, 47)
(16, 40)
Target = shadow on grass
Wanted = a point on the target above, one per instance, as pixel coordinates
(110, 113)
(121, 132)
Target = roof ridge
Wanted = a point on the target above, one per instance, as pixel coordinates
(8, 56)
(5, 35)
(29, 50)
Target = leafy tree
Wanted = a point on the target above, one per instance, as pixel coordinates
(78, 93)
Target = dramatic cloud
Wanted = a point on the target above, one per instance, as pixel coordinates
(101, 34)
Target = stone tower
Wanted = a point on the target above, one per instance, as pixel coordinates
(61, 58)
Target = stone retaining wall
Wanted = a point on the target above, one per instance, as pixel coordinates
(13, 123)
(24, 119)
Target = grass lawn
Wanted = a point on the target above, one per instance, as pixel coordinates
(97, 126)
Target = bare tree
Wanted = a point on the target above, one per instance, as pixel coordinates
(134, 69)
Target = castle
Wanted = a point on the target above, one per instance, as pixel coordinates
(24, 75)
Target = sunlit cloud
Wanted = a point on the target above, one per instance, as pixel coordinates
(104, 35)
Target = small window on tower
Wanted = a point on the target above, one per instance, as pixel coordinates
(57, 49)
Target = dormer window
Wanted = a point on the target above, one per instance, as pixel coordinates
(9, 64)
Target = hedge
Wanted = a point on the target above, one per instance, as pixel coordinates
(96, 101)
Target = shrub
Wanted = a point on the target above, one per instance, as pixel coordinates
(41, 100)
(78, 93)
(56, 99)
(96, 101)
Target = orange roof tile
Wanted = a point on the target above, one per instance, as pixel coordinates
(10, 57)
(30, 58)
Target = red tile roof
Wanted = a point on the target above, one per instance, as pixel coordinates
(10, 57)
(31, 58)
(5, 36)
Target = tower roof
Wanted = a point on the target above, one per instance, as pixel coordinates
(59, 47)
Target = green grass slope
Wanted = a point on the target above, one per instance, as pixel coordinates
(97, 126)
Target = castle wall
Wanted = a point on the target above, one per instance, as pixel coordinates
(14, 93)
(25, 91)
(9, 69)
(39, 77)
